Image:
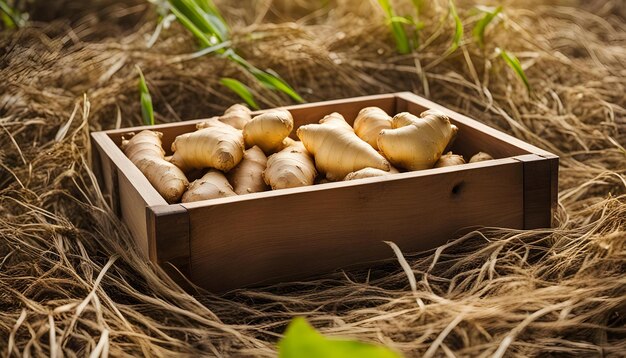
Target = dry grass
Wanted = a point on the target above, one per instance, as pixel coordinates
(71, 283)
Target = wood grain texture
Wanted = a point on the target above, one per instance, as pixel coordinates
(105, 171)
(168, 236)
(540, 191)
(242, 242)
(295, 233)
(134, 190)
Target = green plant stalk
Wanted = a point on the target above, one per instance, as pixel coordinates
(203, 20)
(479, 29)
(10, 16)
(207, 22)
(458, 29)
(402, 41)
(241, 90)
(147, 111)
(269, 79)
(513, 62)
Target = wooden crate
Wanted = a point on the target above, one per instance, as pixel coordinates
(287, 234)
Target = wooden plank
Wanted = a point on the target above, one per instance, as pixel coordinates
(474, 136)
(105, 171)
(168, 236)
(554, 185)
(134, 190)
(295, 234)
(539, 196)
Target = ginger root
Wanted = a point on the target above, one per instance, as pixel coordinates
(369, 122)
(247, 177)
(211, 186)
(338, 150)
(236, 116)
(268, 130)
(480, 157)
(449, 159)
(290, 168)
(416, 143)
(145, 151)
(216, 146)
(336, 119)
(369, 173)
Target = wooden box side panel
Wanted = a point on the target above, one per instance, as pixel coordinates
(540, 190)
(242, 242)
(168, 238)
(106, 173)
(128, 188)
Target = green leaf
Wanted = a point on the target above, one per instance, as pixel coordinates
(203, 4)
(200, 36)
(397, 29)
(241, 90)
(268, 79)
(513, 62)
(10, 17)
(458, 29)
(479, 29)
(303, 341)
(147, 112)
(271, 80)
(208, 23)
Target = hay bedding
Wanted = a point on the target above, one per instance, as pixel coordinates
(71, 284)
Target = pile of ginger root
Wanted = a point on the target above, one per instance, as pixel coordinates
(236, 153)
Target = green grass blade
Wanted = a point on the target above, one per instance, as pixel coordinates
(403, 44)
(241, 90)
(209, 7)
(147, 112)
(200, 36)
(203, 4)
(209, 23)
(271, 80)
(192, 12)
(458, 29)
(481, 25)
(9, 16)
(513, 62)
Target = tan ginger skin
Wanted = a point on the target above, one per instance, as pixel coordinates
(480, 157)
(337, 150)
(212, 185)
(236, 116)
(216, 146)
(247, 177)
(369, 122)
(369, 173)
(291, 167)
(145, 151)
(449, 159)
(336, 119)
(268, 130)
(416, 143)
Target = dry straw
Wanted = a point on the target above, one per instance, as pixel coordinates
(71, 283)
